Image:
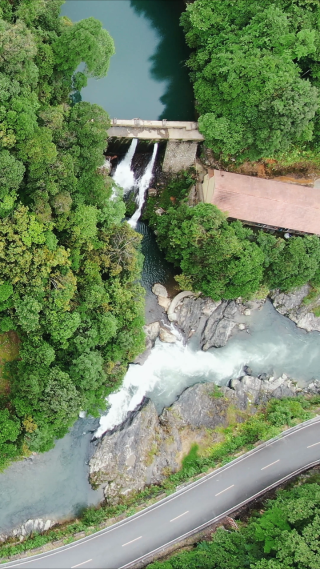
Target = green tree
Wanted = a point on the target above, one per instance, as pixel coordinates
(247, 67)
(84, 41)
(60, 401)
(211, 256)
(291, 263)
(27, 311)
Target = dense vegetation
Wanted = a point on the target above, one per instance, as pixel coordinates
(283, 535)
(255, 68)
(226, 259)
(68, 267)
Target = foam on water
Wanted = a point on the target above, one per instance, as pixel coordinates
(274, 344)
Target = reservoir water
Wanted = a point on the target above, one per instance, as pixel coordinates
(147, 78)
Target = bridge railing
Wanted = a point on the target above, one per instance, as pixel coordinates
(164, 123)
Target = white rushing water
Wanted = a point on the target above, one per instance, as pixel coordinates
(123, 175)
(274, 344)
(167, 372)
(143, 185)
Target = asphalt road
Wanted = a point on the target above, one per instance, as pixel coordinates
(192, 507)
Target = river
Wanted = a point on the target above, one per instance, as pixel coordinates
(54, 485)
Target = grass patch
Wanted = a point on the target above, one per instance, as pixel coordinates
(313, 296)
(9, 351)
(316, 311)
(216, 393)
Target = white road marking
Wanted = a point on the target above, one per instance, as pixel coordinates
(271, 463)
(128, 543)
(315, 444)
(79, 564)
(192, 486)
(184, 513)
(224, 490)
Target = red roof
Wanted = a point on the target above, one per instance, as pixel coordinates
(267, 202)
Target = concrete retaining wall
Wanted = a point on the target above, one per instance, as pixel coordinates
(179, 156)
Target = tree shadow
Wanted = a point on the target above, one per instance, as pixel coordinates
(169, 61)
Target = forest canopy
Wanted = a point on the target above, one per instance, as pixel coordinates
(69, 298)
(255, 68)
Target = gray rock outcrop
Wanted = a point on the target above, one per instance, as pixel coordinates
(219, 326)
(214, 321)
(252, 390)
(37, 525)
(146, 447)
(152, 332)
(166, 336)
(292, 305)
(134, 456)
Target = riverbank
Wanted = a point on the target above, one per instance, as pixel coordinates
(235, 439)
(147, 449)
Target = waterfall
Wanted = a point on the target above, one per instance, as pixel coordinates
(143, 185)
(123, 175)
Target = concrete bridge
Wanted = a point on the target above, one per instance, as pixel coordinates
(155, 130)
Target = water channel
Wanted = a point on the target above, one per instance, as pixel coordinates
(54, 485)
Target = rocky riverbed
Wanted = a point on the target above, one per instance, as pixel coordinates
(146, 447)
(216, 322)
(191, 314)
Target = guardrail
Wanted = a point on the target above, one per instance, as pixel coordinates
(164, 123)
(146, 558)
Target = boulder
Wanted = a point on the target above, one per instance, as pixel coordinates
(159, 290)
(166, 336)
(164, 302)
(219, 326)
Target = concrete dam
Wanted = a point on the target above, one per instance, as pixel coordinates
(182, 136)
